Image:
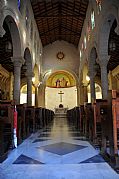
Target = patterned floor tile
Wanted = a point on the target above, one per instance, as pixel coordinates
(62, 148)
(40, 140)
(23, 159)
(95, 159)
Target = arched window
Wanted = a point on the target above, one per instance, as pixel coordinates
(92, 19)
(99, 5)
(27, 18)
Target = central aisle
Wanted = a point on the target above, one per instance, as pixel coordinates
(57, 152)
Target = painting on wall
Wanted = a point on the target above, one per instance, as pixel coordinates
(60, 80)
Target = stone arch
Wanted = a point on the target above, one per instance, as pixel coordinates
(61, 81)
(36, 75)
(49, 72)
(15, 35)
(92, 58)
(92, 71)
(23, 96)
(104, 31)
(58, 74)
(85, 73)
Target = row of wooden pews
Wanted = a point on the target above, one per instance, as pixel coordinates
(29, 120)
(73, 116)
(99, 122)
(101, 125)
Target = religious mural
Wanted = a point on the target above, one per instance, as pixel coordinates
(61, 82)
(61, 79)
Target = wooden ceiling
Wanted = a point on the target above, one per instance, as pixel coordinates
(59, 19)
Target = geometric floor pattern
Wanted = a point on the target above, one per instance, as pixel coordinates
(94, 159)
(56, 152)
(39, 140)
(62, 148)
(22, 159)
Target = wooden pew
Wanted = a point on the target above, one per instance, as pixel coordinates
(29, 120)
(102, 123)
(73, 116)
(89, 121)
(114, 108)
(43, 117)
(6, 127)
(21, 132)
(38, 118)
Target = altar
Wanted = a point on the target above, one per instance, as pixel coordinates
(61, 110)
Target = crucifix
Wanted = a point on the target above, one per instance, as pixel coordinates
(61, 93)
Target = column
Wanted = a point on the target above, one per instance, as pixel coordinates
(85, 93)
(81, 91)
(29, 88)
(11, 85)
(36, 96)
(41, 95)
(78, 95)
(92, 88)
(17, 78)
(104, 81)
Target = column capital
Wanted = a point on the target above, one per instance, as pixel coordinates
(18, 61)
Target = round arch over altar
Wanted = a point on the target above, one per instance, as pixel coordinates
(61, 89)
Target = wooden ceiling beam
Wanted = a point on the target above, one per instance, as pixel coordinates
(61, 16)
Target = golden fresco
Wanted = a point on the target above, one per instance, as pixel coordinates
(61, 79)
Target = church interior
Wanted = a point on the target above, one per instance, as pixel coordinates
(59, 89)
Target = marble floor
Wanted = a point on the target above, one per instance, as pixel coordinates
(56, 152)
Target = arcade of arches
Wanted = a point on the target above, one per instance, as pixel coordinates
(59, 74)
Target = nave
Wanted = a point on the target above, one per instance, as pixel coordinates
(58, 151)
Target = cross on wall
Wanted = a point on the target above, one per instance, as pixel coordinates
(60, 93)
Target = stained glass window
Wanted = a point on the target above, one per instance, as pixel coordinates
(99, 5)
(19, 3)
(92, 19)
(27, 18)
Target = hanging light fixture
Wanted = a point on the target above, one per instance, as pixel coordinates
(112, 45)
(8, 43)
(8, 46)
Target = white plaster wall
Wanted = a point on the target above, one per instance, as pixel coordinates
(52, 98)
(70, 61)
